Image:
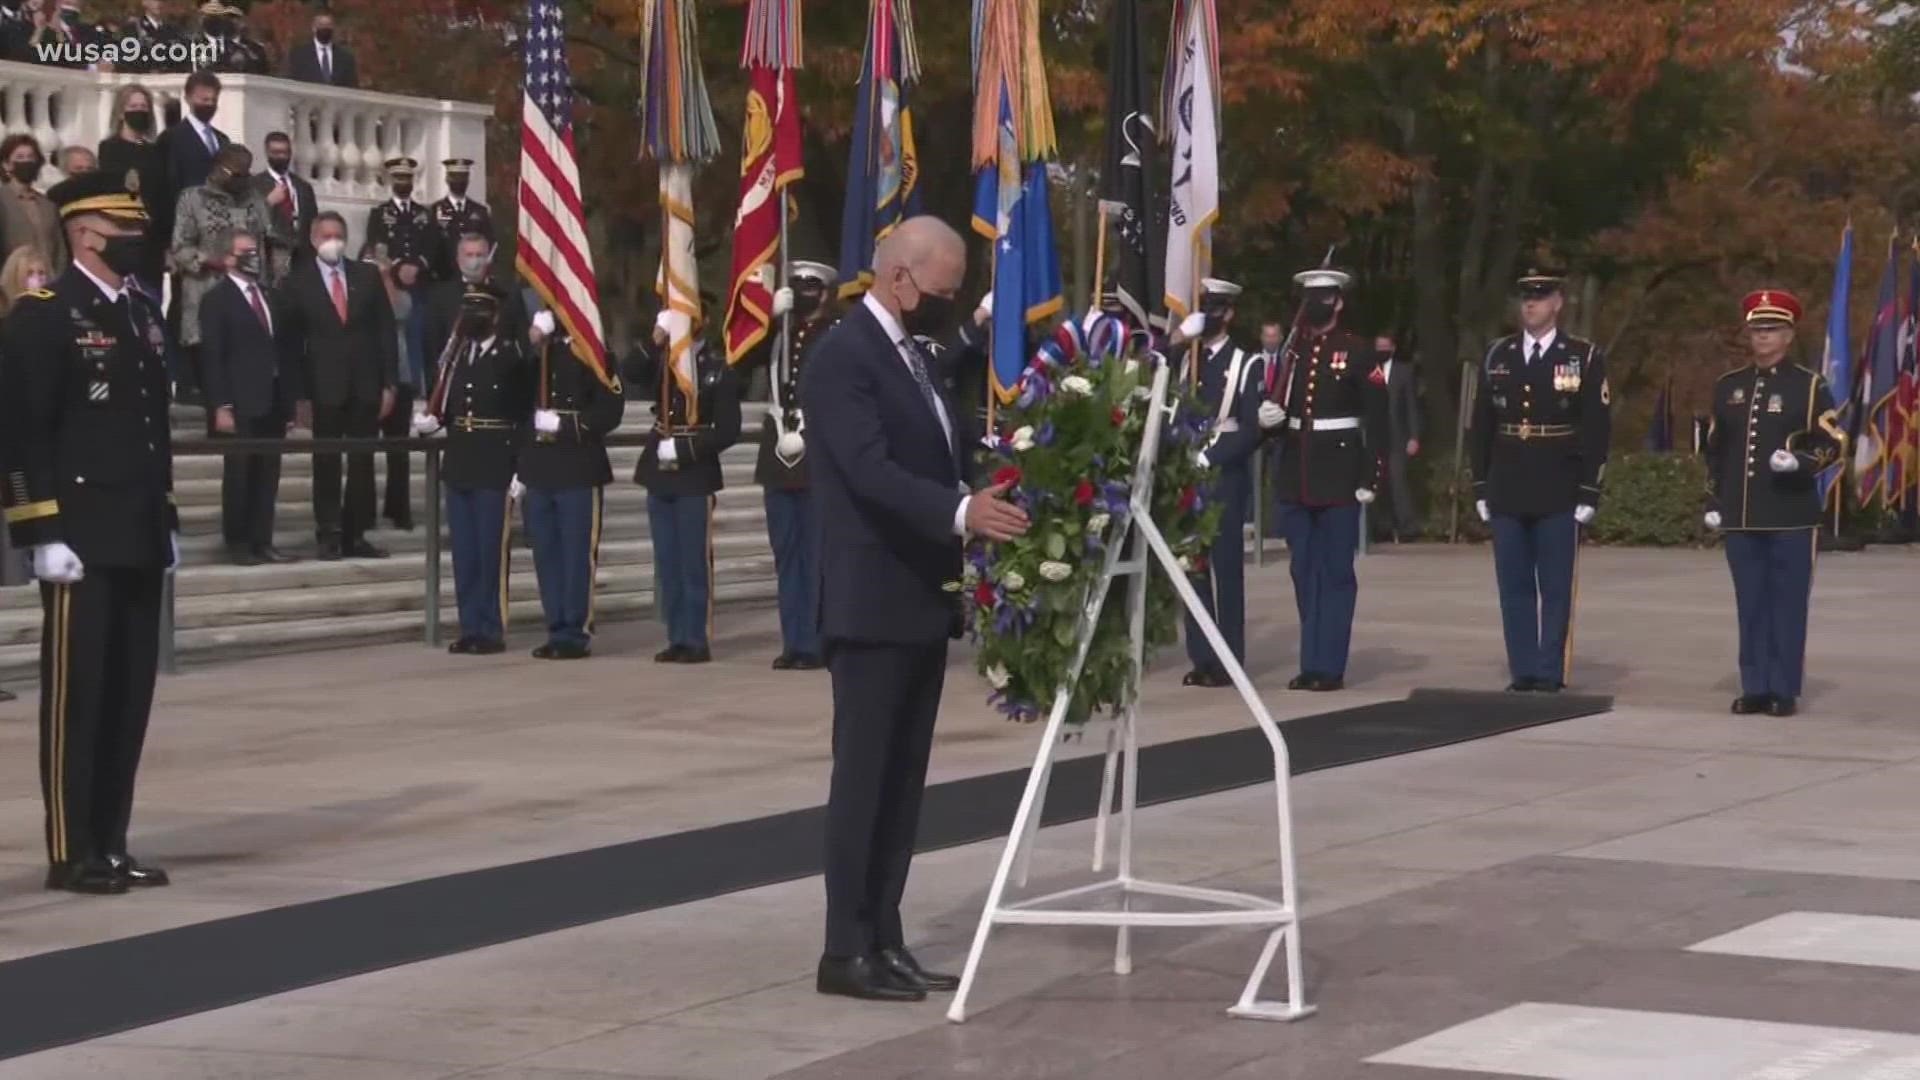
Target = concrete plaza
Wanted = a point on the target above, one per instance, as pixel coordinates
(1661, 891)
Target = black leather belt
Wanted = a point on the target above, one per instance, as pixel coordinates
(1539, 431)
(481, 423)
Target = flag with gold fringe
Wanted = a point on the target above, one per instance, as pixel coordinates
(1190, 119)
(770, 159)
(678, 132)
(883, 167)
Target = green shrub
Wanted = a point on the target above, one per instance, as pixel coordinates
(1652, 500)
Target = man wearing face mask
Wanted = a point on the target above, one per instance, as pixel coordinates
(203, 226)
(294, 206)
(223, 26)
(27, 217)
(320, 59)
(1538, 447)
(16, 30)
(781, 469)
(192, 143)
(86, 479)
(248, 355)
(1229, 390)
(456, 216)
(156, 33)
(1330, 443)
(473, 264)
(401, 228)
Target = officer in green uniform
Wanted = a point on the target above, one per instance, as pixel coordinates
(401, 228)
(1773, 429)
(88, 463)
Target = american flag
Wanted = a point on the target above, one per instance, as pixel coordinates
(553, 253)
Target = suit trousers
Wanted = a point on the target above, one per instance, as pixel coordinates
(479, 531)
(397, 507)
(1406, 516)
(350, 519)
(790, 531)
(250, 486)
(99, 650)
(885, 699)
(563, 525)
(1321, 544)
(1223, 588)
(1533, 564)
(1772, 587)
(682, 530)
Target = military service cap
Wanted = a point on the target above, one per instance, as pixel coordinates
(1771, 307)
(804, 270)
(402, 167)
(1539, 281)
(100, 192)
(455, 166)
(482, 296)
(1322, 277)
(1219, 289)
(216, 9)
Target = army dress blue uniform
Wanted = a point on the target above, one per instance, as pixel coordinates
(482, 389)
(680, 468)
(1329, 462)
(401, 227)
(1768, 511)
(1538, 449)
(87, 460)
(456, 215)
(566, 472)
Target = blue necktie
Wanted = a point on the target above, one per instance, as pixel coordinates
(918, 365)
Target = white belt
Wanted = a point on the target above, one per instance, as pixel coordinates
(1331, 423)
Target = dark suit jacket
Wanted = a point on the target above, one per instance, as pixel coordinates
(188, 159)
(347, 361)
(443, 312)
(303, 64)
(886, 487)
(305, 209)
(243, 366)
(1403, 406)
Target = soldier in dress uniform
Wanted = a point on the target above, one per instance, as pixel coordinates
(1773, 429)
(695, 419)
(481, 390)
(86, 452)
(1538, 448)
(781, 470)
(1229, 383)
(401, 229)
(456, 216)
(224, 27)
(1332, 434)
(562, 458)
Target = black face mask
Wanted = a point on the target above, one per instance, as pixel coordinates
(324, 37)
(1214, 322)
(248, 264)
(401, 191)
(27, 171)
(123, 254)
(458, 187)
(236, 183)
(934, 315)
(204, 113)
(1320, 311)
(806, 302)
(280, 164)
(140, 120)
(476, 325)
(219, 27)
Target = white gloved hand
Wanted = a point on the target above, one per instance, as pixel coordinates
(790, 444)
(1363, 496)
(1783, 461)
(1200, 459)
(425, 423)
(782, 301)
(515, 489)
(668, 451)
(661, 321)
(542, 327)
(1086, 321)
(1480, 507)
(985, 311)
(1272, 415)
(1583, 514)
(1192, 326)
(173, 551)
(56, 564)
(546, 421)
(1712, 519)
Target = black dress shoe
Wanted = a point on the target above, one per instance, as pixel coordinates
(1748, 704)
(487, 647)
(543, 652)
(1322, 684)
(1781, 706)
(783, 662)
(862, 977)
(361, 549)
(242, 556)
(672, 654)
(1548, 686)
(807, 662)
(272, 554)
(461, 647)
(1302, 681)
(92, 877)
(701, 655)
(570, 650)
(137, 876)
(1196, 677)
(904, 968)
(329, 550)
(1521, 686)
(404, 522)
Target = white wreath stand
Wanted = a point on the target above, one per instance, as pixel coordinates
(1220, 907)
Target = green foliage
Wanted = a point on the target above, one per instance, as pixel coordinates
(1654, 500)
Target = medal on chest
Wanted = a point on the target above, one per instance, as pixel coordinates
(1339, 361)
(1774, 403)
(1739, 396)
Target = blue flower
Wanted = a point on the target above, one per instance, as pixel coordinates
(1044, 436)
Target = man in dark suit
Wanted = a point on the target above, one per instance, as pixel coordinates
(192, 143)
(247, 351)
(890, 465)
(350, 359)
(473, 261)
(320, 60)
(296, 208)
(1403, 439)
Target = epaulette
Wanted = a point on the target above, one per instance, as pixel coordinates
(1816, 375)
(1498, 344)
(1573, 342)
(1735, 371)
(37, 294)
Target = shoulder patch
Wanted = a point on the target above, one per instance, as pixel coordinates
(1606, 393)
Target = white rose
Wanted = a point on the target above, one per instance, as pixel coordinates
(1142, 393)
(1055, 571)
(1097, 524)
(1186, 564)
(1023, 438)
(1077, 385)
(971, 574)
(1013, 582)
(1131, 366)
(998, 677)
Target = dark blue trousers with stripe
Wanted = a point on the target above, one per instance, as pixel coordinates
(1321, 544)
(1772, 581)
(683, 566)
(1533, 560)
(477, 532)
(563, 524)
(790, 529)
(1223, 588)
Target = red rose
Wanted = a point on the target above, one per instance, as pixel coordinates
(1083, 494)
(1199, 564)
(1119, 416)
(1007, 474)
(1187, 499)
(983, 594)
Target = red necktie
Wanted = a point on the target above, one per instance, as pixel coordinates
(286, 205)
(260, 309)
(339, 290)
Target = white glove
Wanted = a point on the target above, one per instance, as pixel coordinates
(56, 564)
(782, 301)
(546, 421)
(1363, 496)
(425, 424)
(1086, 321)
(542, 327)
(1200, 459)
(1192, 326)
(1712, 519)
(173, 544)
(985, 311)
(1583, 514)
(1272, 415)
(661, 321)
(790, 444)
(1783, 461)
(515, 489)
(667, 451)
(1480, 507)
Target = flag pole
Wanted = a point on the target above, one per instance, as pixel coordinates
(1099, 259)
(785, 356)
